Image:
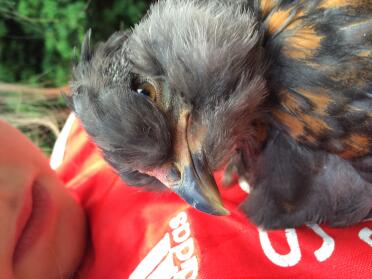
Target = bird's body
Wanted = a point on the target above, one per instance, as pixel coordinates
(282, 88)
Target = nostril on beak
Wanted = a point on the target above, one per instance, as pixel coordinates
(173, 175)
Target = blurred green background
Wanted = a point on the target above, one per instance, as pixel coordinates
(37, 41)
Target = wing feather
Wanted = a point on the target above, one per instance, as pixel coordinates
(321, 72)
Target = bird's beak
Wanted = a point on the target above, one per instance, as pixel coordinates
(189, 174)
(198, 187)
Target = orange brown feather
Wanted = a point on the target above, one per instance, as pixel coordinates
(322, 72)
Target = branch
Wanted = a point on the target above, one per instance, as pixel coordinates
(48, 93)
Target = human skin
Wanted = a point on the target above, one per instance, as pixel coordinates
(42, 228)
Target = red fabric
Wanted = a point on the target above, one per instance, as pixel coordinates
(136, 234)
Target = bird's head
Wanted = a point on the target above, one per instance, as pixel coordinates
(173, 99)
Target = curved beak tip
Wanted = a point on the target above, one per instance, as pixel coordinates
(213, 206)
(198, 202)
(220, 211)
(202, 196)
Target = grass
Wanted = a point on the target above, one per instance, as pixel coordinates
(38, 118)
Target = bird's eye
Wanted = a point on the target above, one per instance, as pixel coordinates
(148, 90)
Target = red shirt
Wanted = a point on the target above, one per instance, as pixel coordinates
(137, 234)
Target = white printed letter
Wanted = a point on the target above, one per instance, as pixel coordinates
(366, 235)
(328, 246)
(291, 259)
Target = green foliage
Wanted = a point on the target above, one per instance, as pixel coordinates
(37, 37)
(116, 14)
